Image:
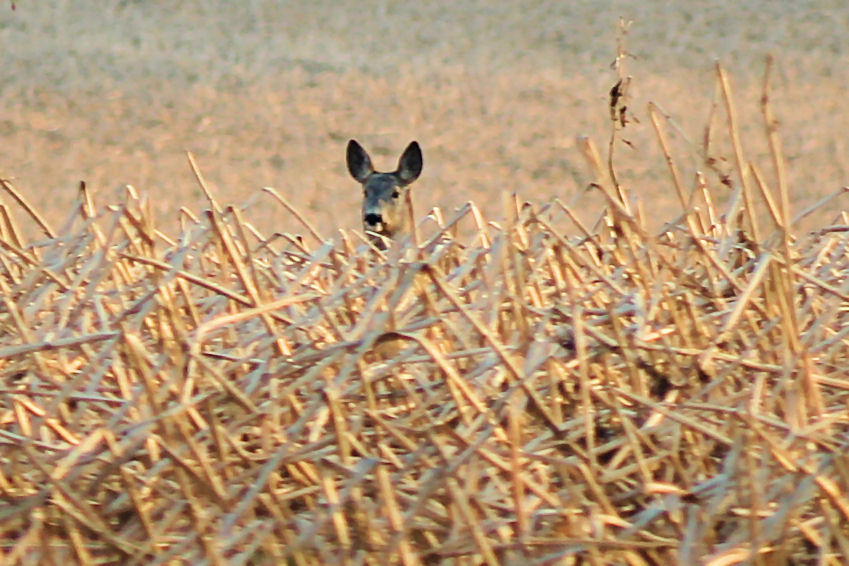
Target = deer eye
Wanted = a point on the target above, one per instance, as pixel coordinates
(396, 193)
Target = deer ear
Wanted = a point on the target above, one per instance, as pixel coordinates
(410, 164)
(359, 163)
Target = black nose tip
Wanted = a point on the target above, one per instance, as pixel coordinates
(372, 219)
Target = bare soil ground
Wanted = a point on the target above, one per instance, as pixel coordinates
(266, 94)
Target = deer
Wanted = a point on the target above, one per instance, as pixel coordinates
(385, 214)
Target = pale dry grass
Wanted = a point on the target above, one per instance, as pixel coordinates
(525, 389)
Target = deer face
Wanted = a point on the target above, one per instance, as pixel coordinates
(384, 200)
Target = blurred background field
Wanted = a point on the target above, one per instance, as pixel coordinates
(267, 93)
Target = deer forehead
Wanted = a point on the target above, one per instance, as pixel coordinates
(381, 186)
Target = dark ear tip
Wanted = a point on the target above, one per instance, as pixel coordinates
(410, 164)
(414, 150)
(354, 150)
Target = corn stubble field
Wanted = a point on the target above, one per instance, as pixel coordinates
(538, 391)
(526, 381)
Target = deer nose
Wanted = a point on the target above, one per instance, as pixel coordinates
(373, 219)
